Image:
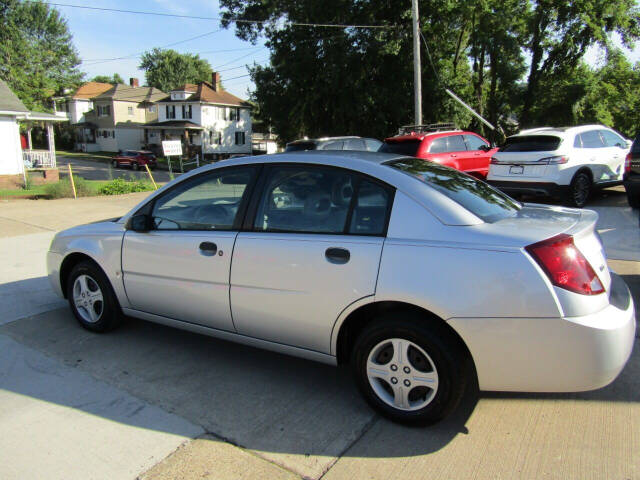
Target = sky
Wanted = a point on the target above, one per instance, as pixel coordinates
(103, 38)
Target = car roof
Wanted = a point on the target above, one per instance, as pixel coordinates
(559, 131)
(369, 163)
(321, 139)
(412, 137)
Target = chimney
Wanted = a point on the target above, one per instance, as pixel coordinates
(134, 82)
(215, 81)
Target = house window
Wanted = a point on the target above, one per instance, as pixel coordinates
(187, 111)
(130, 110)
(171, 111)
(152, 109)
(235, 114)
(215, 138)
(239, 138)
(104, 110)
(152, 134)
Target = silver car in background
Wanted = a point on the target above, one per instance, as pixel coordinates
(419, 276)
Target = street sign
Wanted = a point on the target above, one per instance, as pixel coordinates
(171, 147)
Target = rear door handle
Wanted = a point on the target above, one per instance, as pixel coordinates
(337, 255)
(208, 248)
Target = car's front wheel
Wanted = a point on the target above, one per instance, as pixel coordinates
(92, 299)
(409, 369)
(579, 190)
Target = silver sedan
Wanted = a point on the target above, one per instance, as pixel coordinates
(420, 277)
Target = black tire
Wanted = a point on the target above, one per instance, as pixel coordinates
(633, 197)
(448, 359)
(115, 164)
(109, 314)
(135, 165)
(580, 190)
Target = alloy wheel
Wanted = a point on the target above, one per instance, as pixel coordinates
(88, 298)
(402, 374)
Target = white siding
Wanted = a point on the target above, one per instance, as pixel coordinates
(10, 150)
(77, 109)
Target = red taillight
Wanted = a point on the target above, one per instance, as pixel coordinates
(627, 163)
(565, 265)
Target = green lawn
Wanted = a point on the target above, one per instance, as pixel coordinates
(84, 187)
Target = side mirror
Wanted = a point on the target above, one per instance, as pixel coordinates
(485, 148)
(628, 142)
(140, 223)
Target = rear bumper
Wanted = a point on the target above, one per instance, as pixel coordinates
(541, 189)
(553, 354)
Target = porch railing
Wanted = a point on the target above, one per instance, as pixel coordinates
(38, 159)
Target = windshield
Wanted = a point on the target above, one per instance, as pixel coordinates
(482, 200)
(531, 143)
(407, 147)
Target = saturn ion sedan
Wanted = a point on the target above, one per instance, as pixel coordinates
(419, 276)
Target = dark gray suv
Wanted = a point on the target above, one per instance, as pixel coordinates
(335, 143)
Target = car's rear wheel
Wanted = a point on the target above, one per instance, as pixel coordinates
(579, 190)
(92, 299)
(409, 369)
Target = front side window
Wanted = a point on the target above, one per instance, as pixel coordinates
(354, 144)
(455, 143)
(475, 143)
(479, 198)
(612, 139)
(207, 202)
(321, 200)
(337, 145)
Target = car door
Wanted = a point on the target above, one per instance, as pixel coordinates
(616, 151)
(477, 158)
(458, 153)
(180, 268)
(314, 249)
(593, 154)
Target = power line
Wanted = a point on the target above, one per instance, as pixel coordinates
(197, 17)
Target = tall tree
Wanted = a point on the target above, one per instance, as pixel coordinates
(115, 78)
(168, 69)
(325, 81)
(559, 33)
(37, 56)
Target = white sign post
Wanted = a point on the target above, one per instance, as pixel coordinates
(171, 148)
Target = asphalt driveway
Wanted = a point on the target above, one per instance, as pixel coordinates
(157, 403)
(98, 170)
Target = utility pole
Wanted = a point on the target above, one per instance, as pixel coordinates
(417, 77)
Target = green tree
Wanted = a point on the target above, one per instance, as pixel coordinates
(168, 69)
(37, 56)
(114, 79)
(559, 33)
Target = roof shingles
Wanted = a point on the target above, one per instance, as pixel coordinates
(8, 100)
(204, 92)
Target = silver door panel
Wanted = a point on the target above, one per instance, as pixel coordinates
(284, 290)
(166, 273)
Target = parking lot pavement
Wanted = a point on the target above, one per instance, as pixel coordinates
(97, 170)
(119, 404)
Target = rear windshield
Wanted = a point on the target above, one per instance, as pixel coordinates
(407, 147)
(531, 143)
(482, 200)
(296, 147)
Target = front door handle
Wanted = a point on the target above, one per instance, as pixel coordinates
(337, 255)
(208, 248)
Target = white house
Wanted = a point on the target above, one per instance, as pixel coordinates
(208, 120)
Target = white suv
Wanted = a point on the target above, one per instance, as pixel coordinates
(568, 162)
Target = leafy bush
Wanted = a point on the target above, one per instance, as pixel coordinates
(120, 186)
(62, 189)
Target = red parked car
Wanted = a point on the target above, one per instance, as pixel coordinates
(465, 151)
(134, 159)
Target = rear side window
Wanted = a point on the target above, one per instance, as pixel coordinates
(354, 144)
(297, 147)
(455, 143)
(531, 143)
(406, 147)
(483, 201)
(337, 145)
(591, 139)
(373, 145)
(439, 145)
